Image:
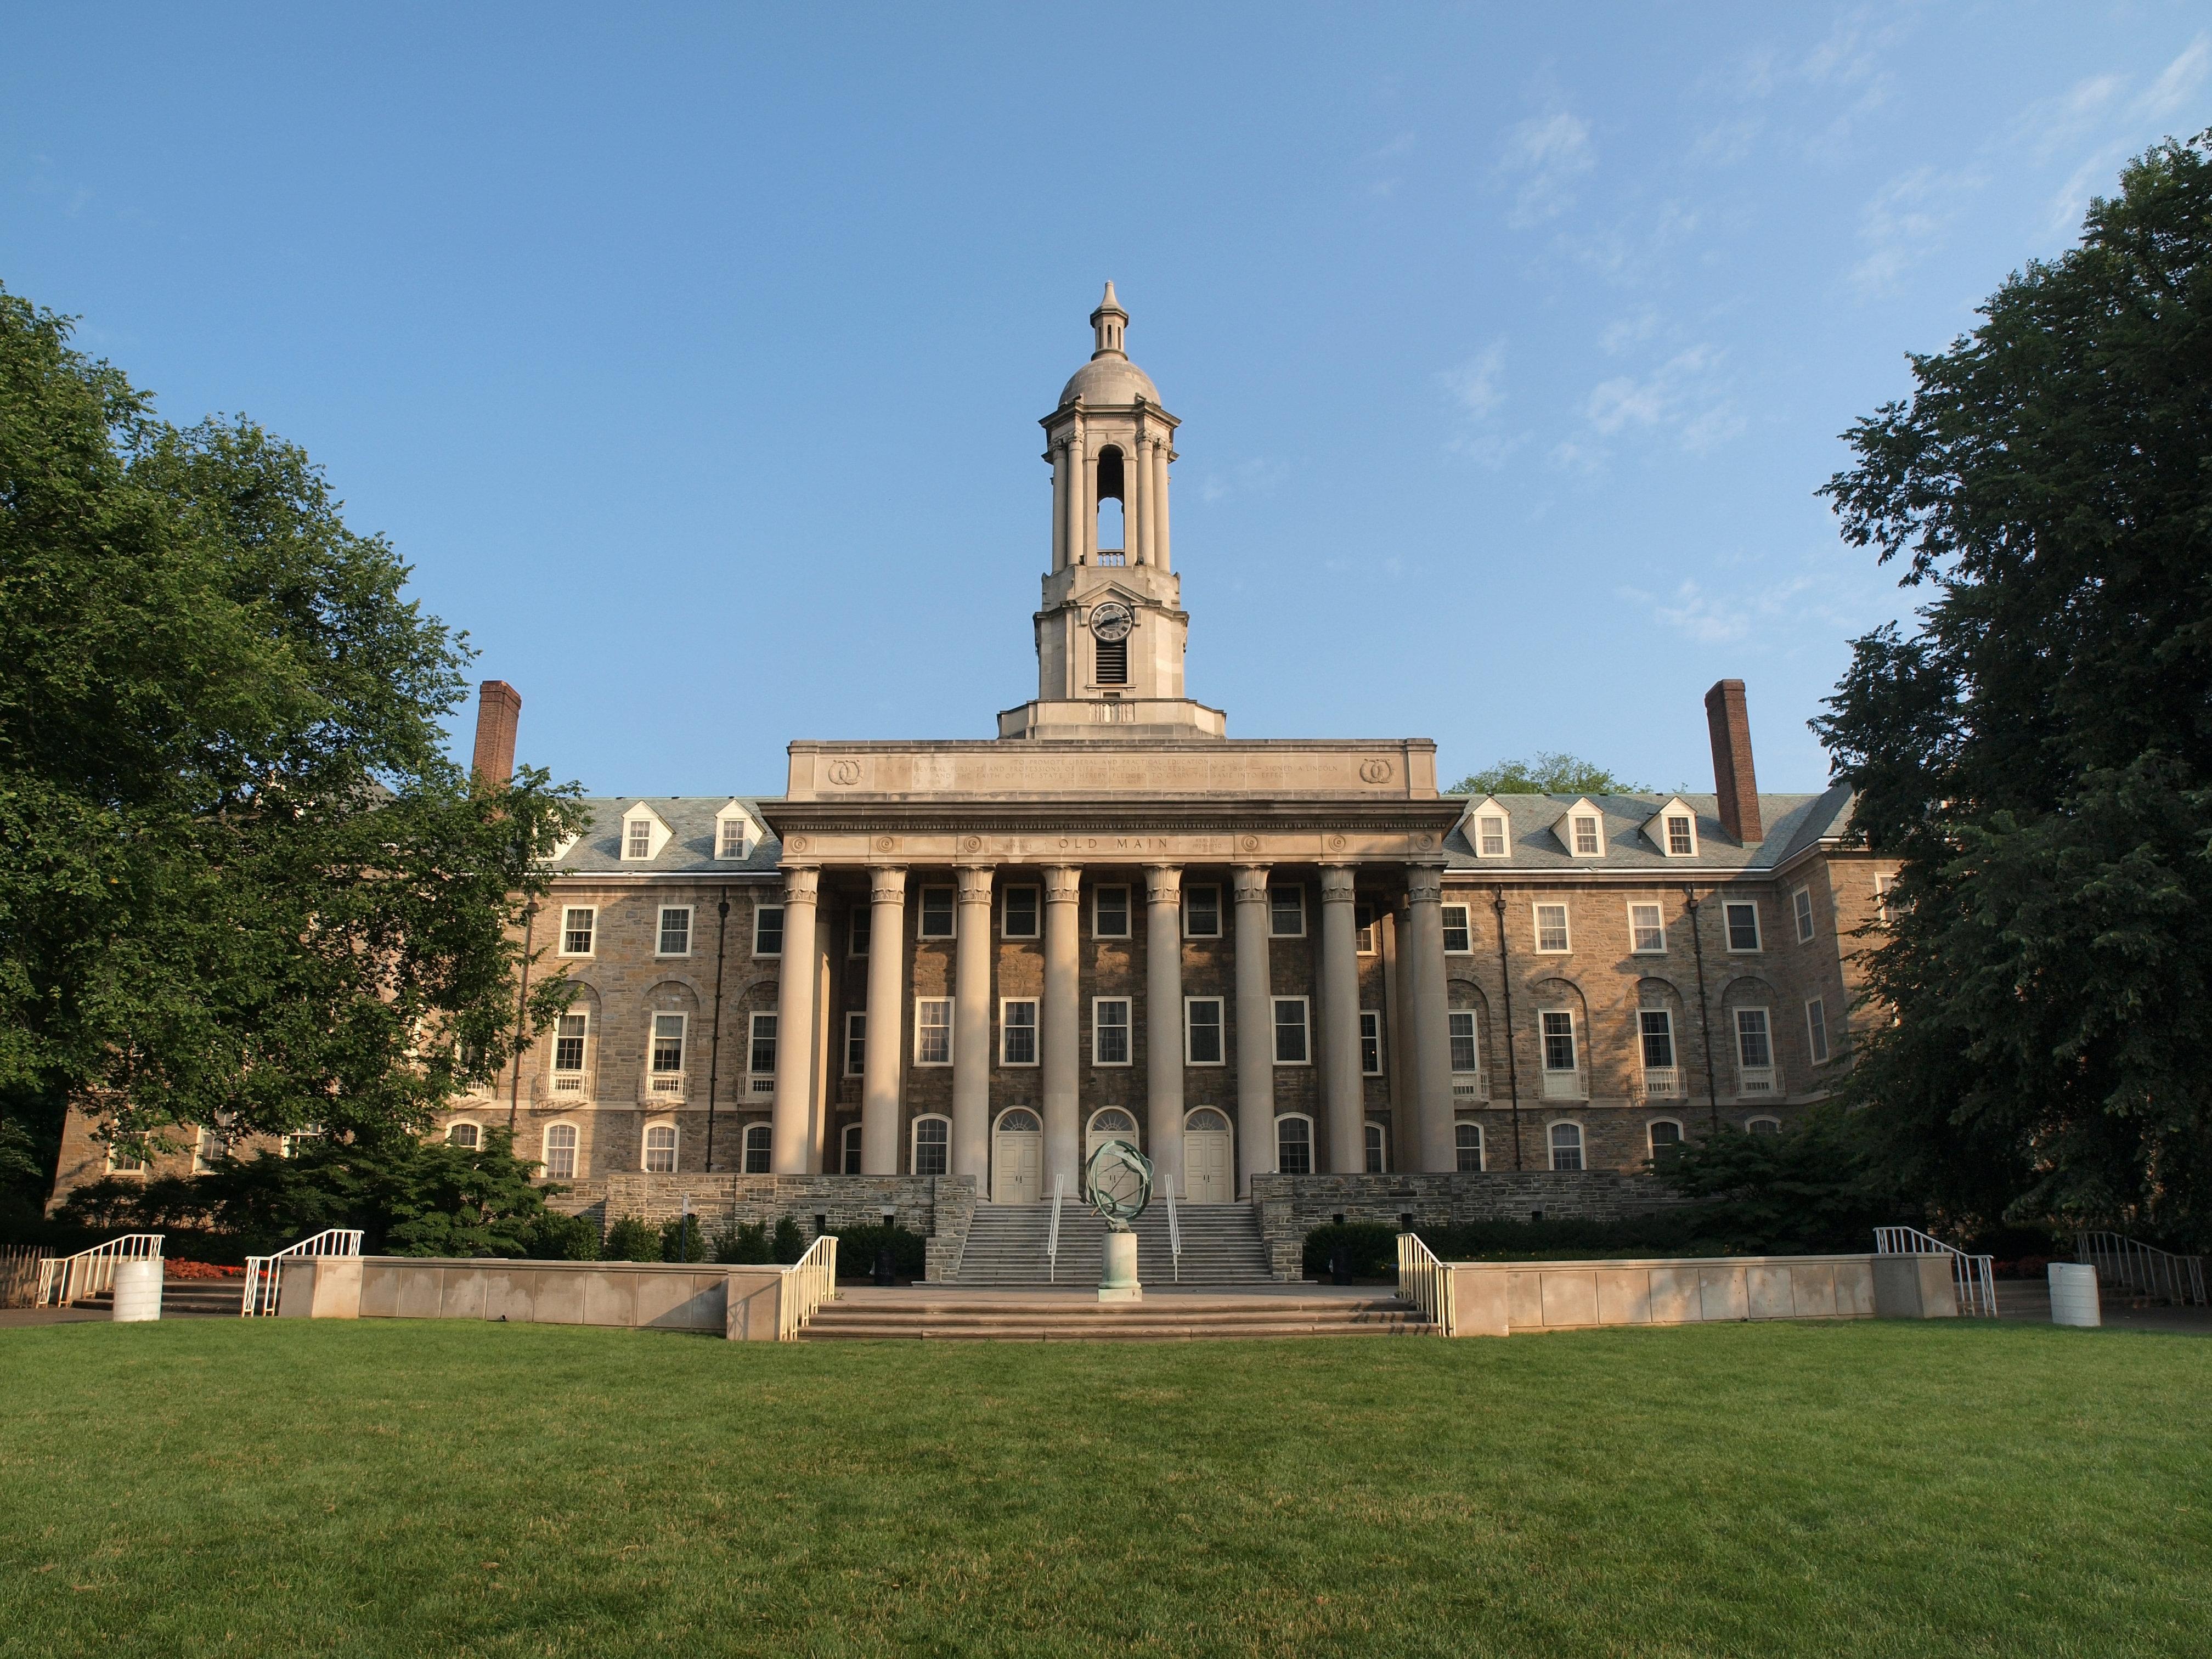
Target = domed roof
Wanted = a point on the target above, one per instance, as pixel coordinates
(1110, 378)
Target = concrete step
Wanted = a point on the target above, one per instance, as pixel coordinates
(185, 1298)
(1163, 1318)
(1007, 1246)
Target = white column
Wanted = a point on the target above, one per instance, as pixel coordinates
(795, 1025)
(1087, 514)
(1135, 500)
(1431, 1037)
(1255, 1031)
(971, 1029)
(1061, 1018)
(1072, 530)
(1059, 508)
(1164, 1018)
(1160, 503)
(879, 1066)
(1343, 1093)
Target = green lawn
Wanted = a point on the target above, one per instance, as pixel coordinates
(386, 1488)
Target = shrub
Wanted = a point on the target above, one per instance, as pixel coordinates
(744, 1245)
(857, 1247)
(1372, 1247)
(683, 1239)
(556, 1237)
(631, 1239)
(787, 1244)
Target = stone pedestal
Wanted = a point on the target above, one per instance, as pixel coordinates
(1117, 1278)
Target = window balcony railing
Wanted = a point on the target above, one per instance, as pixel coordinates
(1755, 1081)
(1563, 1085)
(567, 1083)
(1663, 1082)
(1115, 555)
(666, 1083)
(761, 1083)
(1470, 1088)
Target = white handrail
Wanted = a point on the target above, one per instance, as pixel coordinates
(1052, 1233)
(69, 1279)
(1425, 1281)
(2127, 1263)
(261, 1287)
(807, 1284)
(1175, 1227)
(1972, 1277)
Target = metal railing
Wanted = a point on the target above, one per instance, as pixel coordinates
(1663, 1082)
(1425, 1281)
(67, 1278)
(807, 1284)
(1175, 1228)
(1052, 1233)
(1973, 1277)
(19, 1274)
(261, 1275)
(2127, 1264)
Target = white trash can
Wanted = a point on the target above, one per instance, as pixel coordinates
(2074, 1294)
(138, 1289)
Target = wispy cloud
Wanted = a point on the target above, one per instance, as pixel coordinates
(1545, 154)
(1683, 394)
(1905, 222)
(2095, 112)
(1820, 602)
(1257, 477)
(1384, 160)
(1476, 389)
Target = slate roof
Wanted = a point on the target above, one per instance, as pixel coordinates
(1793, 823)
(690, 820)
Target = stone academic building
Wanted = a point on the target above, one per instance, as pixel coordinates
(1252, 957)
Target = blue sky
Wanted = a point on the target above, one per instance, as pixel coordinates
(693, 356)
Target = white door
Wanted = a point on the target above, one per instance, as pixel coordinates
(1017, 1158)
(1112, 1124)
(1205, 1157)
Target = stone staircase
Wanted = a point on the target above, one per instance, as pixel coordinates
(1221, 1245)
(1078, 1316)
(185, 1298)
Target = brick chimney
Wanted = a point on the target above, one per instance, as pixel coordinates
(1734, 780)
(499, 708)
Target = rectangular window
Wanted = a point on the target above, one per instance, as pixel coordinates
(1018, 913)
(568, 1042)
(1201, 1030)
(1110, 913)
(1647, 930)
(667, 1044)
(933, 1146)
(1369, 938)
(762, 1061)
(1290, 1030)
(1465, 1056)
(759, 1149)
(1587, 840)
(1678, 841)
(859, 924)
(1552, 928)
(207, 1148)
(856, 1044)
(1882, 886)
(1109, 1031)
(1375, 1158)
(1491, 834)
(1754, 1047)
(1286, 912)
(637, 842)
(1017, 1033)
(1467, 1139)
(1201, 913)
(932, 1030)
(1816, 1029)
(661, 1149)
(1742, 925)
(1800, 908)
(1655, 1027)
(1566, 1146)
(1558, 1042)
(561, 1151)
(1459, 937)
(733, 838)
(674, 930)
(767, 930)
(1371, 1043)
(936, 920)
(577, 923)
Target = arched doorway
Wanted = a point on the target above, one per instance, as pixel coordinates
(1207, 1163)
(1110, 1124)
(1018, 1158)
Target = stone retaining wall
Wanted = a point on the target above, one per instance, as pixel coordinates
(844, 1202)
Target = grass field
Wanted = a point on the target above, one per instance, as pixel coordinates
(465, 1489)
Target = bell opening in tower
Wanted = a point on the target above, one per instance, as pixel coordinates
(1113, 662)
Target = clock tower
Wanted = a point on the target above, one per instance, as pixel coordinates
(1109, 635)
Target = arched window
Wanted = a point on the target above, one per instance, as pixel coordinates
(1019, 1121)
(1467, 1138)
(1666, 1134)
(1112, 521)
(1206, 1121)
(1566, 1145)
(1294, 1145)
(466, 1136)
(851, 1161)
(1377, 1159)
(661, 1149)
(933, 1146)
(561, 1151)
(760, 1148)
(1764, 1126)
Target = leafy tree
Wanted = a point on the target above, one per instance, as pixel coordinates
(632, 1239)
(1547, 775)
(2037, 751)
(242, 883)
(1816, 1186)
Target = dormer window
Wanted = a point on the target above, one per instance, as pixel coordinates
(644, 833)
(1581, 829)
(1674, 830)
(1487, 829)
(1587, 843)
(1679, 845)
(1493, 832)
(637, 839)
(733, 839)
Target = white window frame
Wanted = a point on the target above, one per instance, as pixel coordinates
(574, 1149)
(1192, 892)
(1667, 821)
(1220, 1031)
(1370, 1038)
(207, 1147)
(1816, 1029)
(1551, 1148)
(660, 931)
(849, 1150)
(1459, 1152)
(645, 1147)
(1764, 1124)
(913, 1144)
(1367, 936)
(723, 851)
(1636, 947)
(856, 1037)
(760, 915)
(1744, 1068)
(655, 1072)
(1128, 1028)
(591, 928)
(1674, 1048)
(635, 825)
(1375, 1148)
(860, 932)
(1566, 927)
(1883, 887)
(1594, 822)
(1547, 1071)
(465, 1123)
(924, 1028)
(1452, 1017)
(766, 1147)
(1127, 908)
(1035, 1030)
(1277, 1149)
(1466, 946)
(1650, 1145)
(1275, 1007)
(1728, 908)
(1133, 1134)
(1801, 915)
(1295, 892)
(753, 1042)
(1483, 821)
(921, 927)
(1036, 909)
(122, 1162)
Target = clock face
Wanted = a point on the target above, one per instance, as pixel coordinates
(1112, 621)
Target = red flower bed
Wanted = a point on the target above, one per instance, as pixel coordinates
(199, 1270)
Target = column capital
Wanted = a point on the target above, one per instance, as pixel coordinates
(1424, 883)
(1251, 883)
(1164, 883)
(887, 884)
(1063, 883)
(1338, 883)
(974, 883)
(799, 884)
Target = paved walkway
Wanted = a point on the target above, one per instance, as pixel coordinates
(2028, 1301)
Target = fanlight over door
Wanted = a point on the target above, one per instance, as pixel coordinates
(1207, 1157)
(1111, 1124)
(1017, 1158)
